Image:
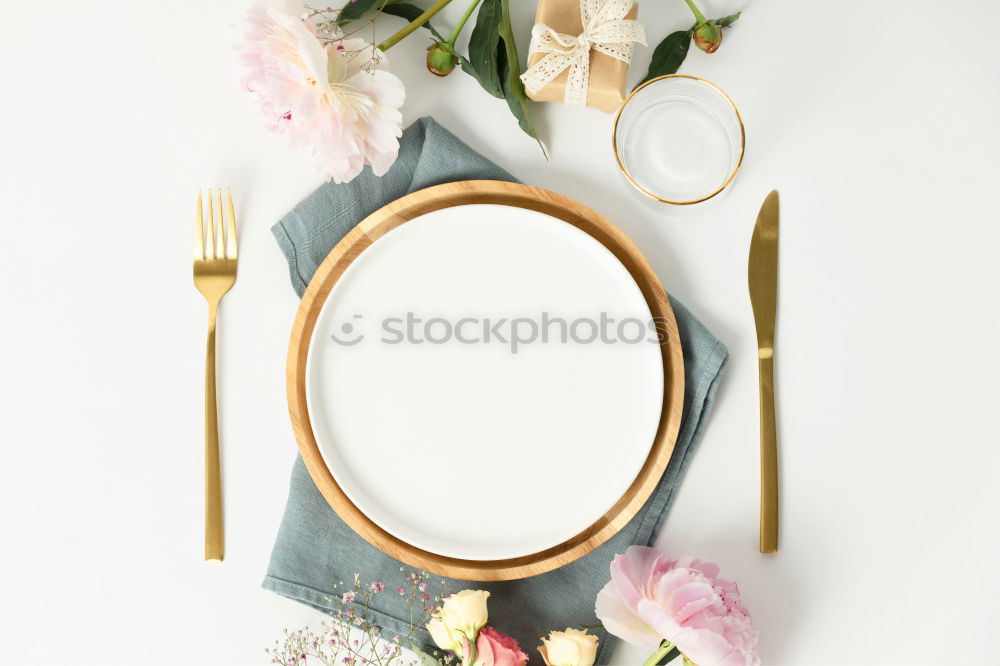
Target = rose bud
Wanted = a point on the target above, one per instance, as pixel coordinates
(569, 648)
(461, 616)
(493, 649)
(708, 36)
(442, 637)
(441, 59)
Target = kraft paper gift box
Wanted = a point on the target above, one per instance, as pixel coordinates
(608, 75)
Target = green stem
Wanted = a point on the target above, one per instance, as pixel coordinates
(461, 22)
(412, 25)
(697, 12)
(666, 647)
(472, 652)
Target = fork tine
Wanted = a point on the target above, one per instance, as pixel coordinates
(219, 230)
(210, 232)
(199, 231)
(231, 238)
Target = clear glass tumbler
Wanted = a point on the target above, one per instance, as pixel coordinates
(679, 139)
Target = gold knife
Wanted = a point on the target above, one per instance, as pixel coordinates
(762, 274)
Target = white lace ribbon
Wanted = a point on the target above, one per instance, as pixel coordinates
(605, 29)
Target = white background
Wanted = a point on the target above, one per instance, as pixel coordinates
(878, 122)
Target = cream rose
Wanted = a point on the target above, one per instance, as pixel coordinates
(462, 615)
(442, 637)
(569, 648)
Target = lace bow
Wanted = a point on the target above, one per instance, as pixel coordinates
(605, 29)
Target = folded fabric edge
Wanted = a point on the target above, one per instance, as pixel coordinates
(321, 601)
(703, 395)
(284, 241)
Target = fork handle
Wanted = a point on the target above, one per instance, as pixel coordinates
(214, 542)
(768, 457)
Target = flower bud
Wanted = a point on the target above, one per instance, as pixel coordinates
(442, 637)
(707, 36)
(569, 648)
(493, 649)
(462, 615)
(441, 59)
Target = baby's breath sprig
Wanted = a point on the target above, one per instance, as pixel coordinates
(352, 636)
(329, 28)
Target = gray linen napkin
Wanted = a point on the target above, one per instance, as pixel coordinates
(315, 548)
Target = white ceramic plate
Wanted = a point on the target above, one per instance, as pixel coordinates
(476, 448)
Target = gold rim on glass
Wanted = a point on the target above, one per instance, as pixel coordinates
(651, 195)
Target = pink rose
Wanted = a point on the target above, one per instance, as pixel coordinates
(493, 649)
(651, 599)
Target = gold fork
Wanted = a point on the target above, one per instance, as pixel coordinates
(214, 275)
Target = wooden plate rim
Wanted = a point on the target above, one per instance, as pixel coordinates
(511, 194)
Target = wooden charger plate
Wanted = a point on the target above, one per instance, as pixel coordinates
(548, 203)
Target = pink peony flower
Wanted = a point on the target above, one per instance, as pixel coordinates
(651, 598)
(337, 102)
(494, 649)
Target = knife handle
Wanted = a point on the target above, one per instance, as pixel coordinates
(768, 455)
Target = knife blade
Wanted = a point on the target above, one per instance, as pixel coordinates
(762, 276)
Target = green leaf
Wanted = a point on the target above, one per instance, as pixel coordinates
(510, 73)
(668, 55)
(727, 21)
(409, 12)
(352, 11)
(493, 61)
(668, 652)
(588, 627)
(484, 46)
(467, 67)
(425, 659)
